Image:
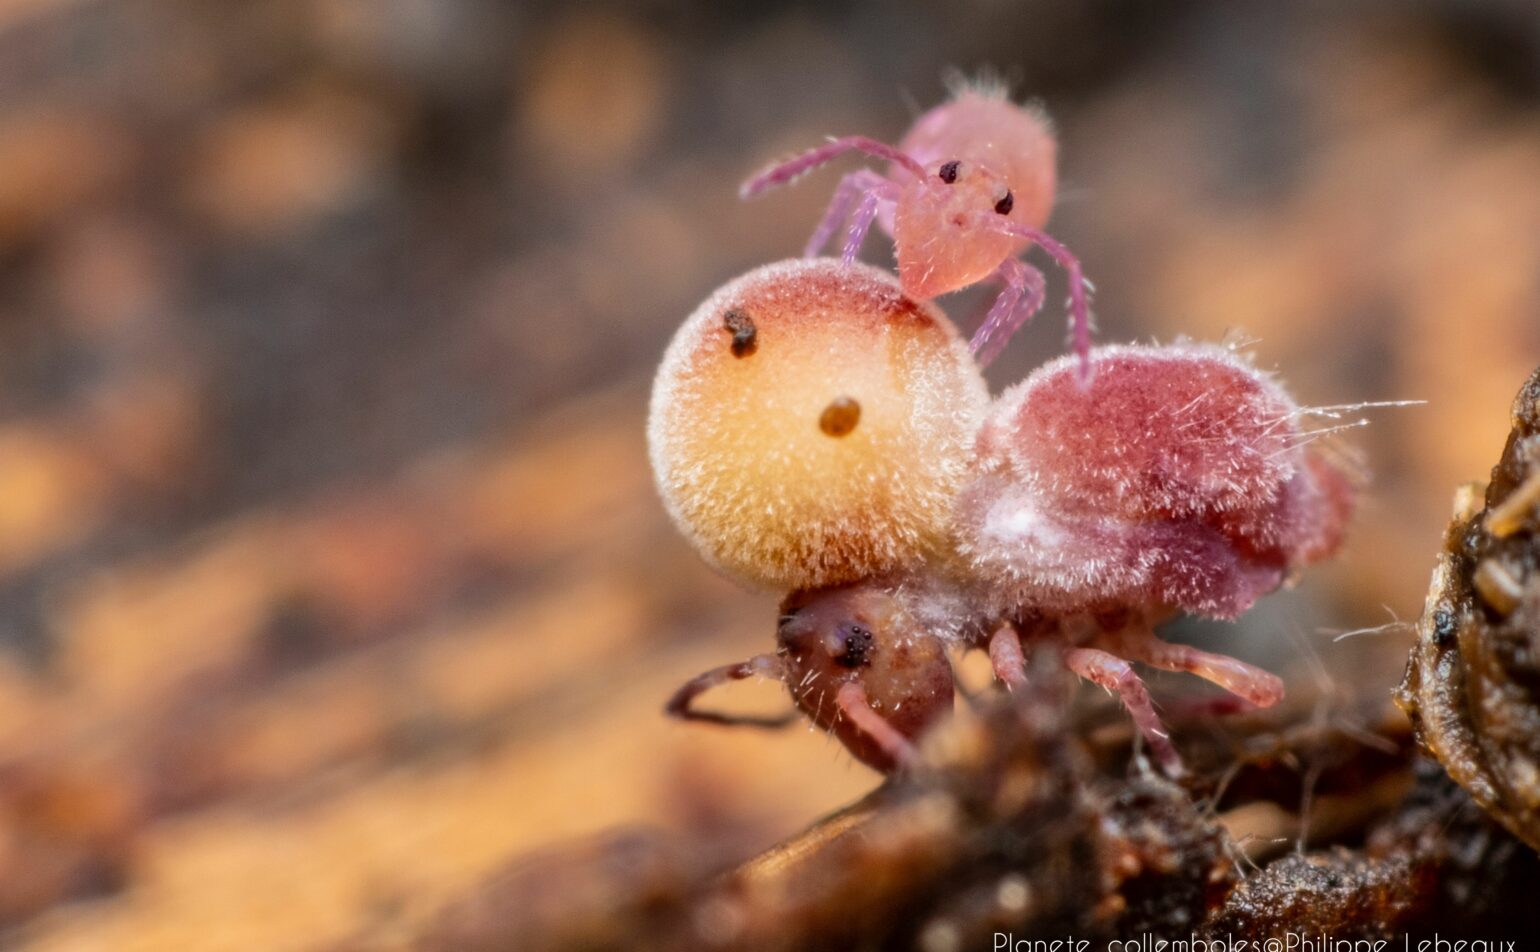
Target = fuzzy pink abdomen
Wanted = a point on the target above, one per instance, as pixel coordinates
(1178, 478)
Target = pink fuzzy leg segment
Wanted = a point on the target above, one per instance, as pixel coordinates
(860, 223)
(852, 703)
(1239, 678)
(1005, 655)
(991, 336)
(767, 666)
(1021, 298)
(1115, 674)
(792, 169)
(1079, 304)
(851, 186)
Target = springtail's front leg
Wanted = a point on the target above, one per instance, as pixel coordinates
(1021, 298)
(860, 223)
(853, 187)
(1079, 299)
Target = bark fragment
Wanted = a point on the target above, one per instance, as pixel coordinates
(1472, 686)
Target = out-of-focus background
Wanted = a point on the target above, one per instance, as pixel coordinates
(331, 575)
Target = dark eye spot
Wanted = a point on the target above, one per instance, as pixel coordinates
(857, 643)
(840, 416)
(1004, 205)
(948, 171)
(745, 334)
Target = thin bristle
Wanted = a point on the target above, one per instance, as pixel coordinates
(988, 81)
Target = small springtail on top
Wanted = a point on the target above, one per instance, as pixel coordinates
(965, 193)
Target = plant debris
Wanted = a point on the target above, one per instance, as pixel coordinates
(1472, 687)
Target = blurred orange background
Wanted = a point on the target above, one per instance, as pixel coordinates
(331, 574)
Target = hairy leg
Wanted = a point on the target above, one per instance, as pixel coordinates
(1079, 301)
(1239, 678)
(794, 168)
(1005, 655)
(1115, 674)
(860, 223)
(850, 188)
(854, 706)
(1019, 300)
(681, 704)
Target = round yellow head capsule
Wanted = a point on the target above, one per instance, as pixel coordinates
(810, 425)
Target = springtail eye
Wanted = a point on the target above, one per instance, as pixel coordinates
(948, 171)
(856, 645)
(1004, 205)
